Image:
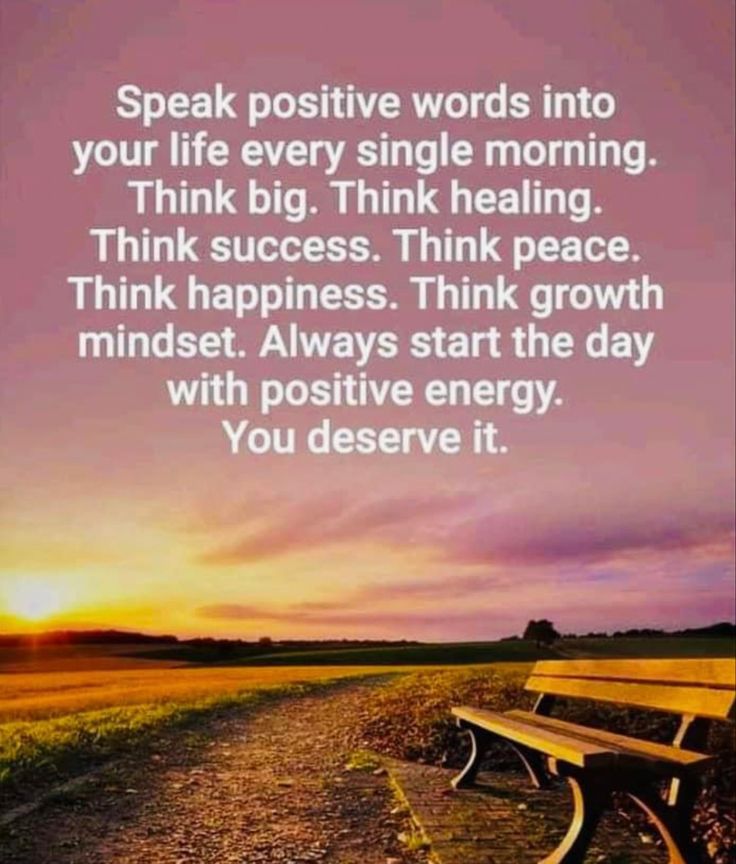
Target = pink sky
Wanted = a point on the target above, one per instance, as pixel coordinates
(614, 511)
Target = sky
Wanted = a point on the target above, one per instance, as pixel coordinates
(614, 511)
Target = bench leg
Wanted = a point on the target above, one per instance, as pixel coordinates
(534, 764)
(672, 822)
(479, 741)
(590, 797)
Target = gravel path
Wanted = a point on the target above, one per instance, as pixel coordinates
(272, 786)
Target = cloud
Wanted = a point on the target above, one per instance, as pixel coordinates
(280, 528)
(467, 529)
(440, 609)
(342, 615)
(233, 612)
(541, 539)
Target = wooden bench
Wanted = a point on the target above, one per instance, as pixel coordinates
(597, 763)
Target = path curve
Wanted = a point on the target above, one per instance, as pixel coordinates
(269, 786)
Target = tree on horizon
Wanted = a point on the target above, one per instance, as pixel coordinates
(542, 632)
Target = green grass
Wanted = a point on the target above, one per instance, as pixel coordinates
(380, 655)
(363, 760)
(414, 839)
(516, 651)
(408, 655)
(440, 653)
(652, 647)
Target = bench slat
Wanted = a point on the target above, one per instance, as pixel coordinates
(716, 673)
(664, 756)
(679, 699)
(575, 751)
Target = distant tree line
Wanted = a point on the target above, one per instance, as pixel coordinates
(84, 637)
(543, 632)
(723, 629)
(126, 637)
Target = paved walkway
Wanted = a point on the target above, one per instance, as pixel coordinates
(507, 821)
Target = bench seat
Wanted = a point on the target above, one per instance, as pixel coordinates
(582, 746)
(660, 758)
(559, 745)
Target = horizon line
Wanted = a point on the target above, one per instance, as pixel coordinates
(276, 641)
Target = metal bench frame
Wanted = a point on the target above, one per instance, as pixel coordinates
(595, 763)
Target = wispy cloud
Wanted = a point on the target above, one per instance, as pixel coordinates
(491, 605)
(466, 529)
(589, 537)
(466, 563)
(279, 528)
(403, 621)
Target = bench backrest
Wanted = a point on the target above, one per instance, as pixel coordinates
(702, 688)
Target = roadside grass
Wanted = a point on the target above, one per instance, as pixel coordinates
(363, 760)
(414, 838)
(410, 717)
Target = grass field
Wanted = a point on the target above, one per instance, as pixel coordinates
(661, 646)
(53, 724)
(64, 707)
(78, 658)
(39, 695)
(516, 651)
(56, 680)
(34, 753)
(448, 654)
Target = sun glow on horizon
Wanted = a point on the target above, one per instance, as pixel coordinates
(34, 599)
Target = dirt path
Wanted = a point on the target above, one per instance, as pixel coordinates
(268, 787)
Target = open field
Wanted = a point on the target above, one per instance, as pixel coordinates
(75, 658)
(517, 651)
(659, 647)
(64, 708)
(91, 702)
(405, 715)
(57, 680)
(461, 654)
(453, 654)
(40, 695)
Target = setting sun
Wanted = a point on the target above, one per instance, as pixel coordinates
(34, 600)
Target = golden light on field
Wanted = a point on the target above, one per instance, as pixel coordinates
(34, 599)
